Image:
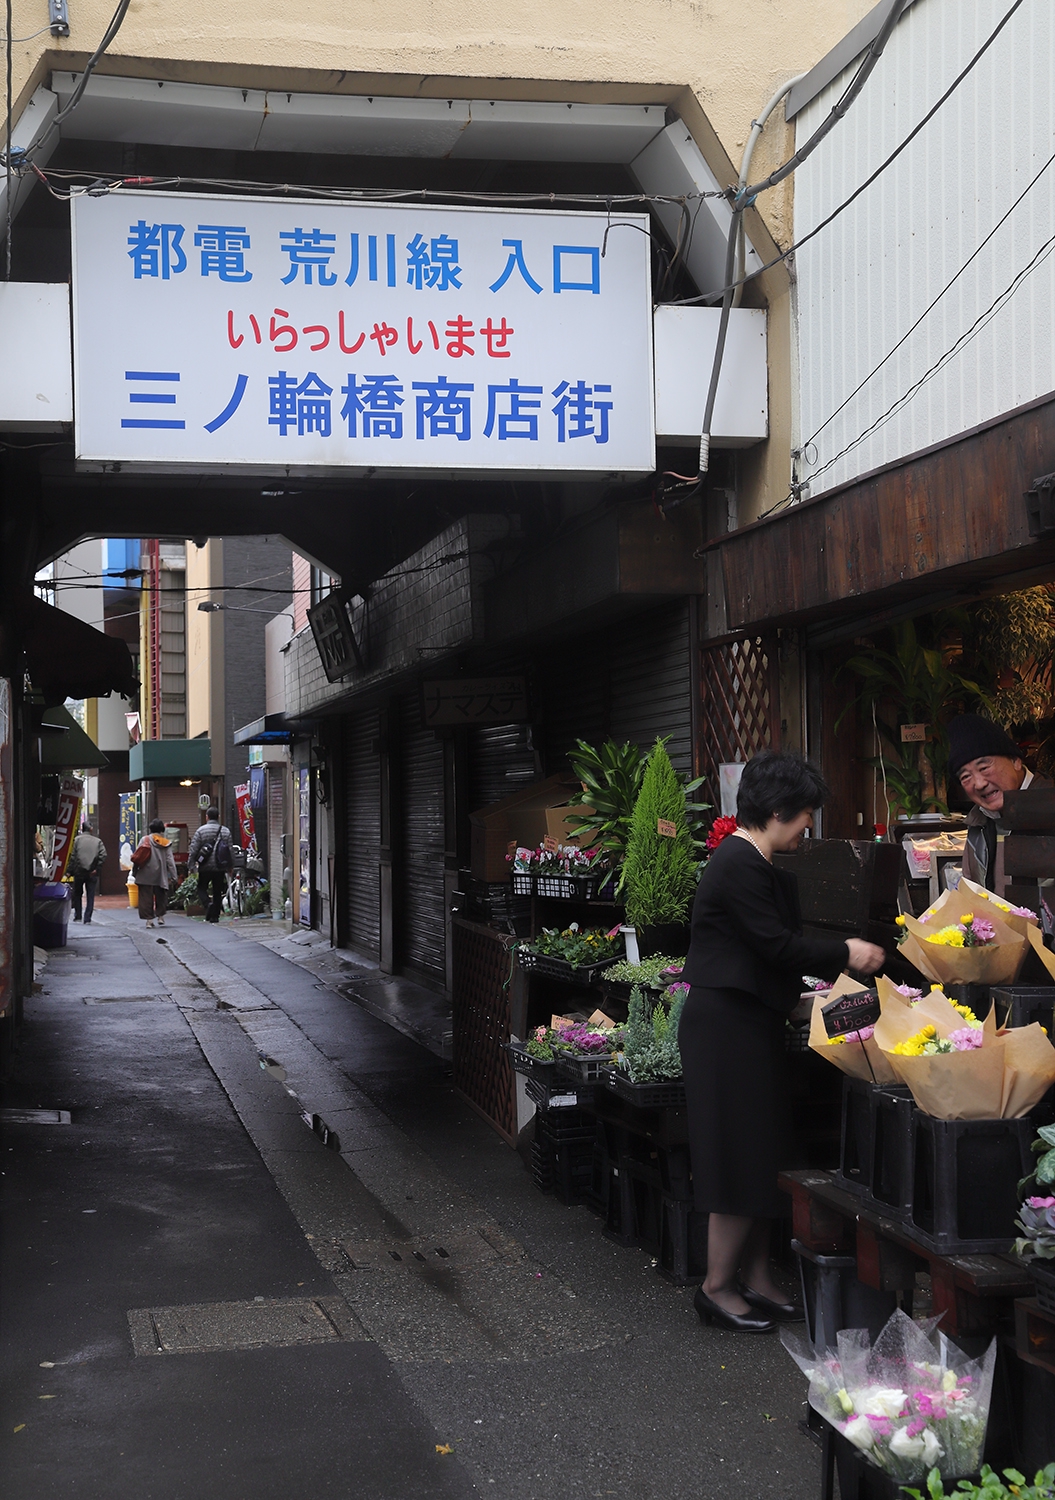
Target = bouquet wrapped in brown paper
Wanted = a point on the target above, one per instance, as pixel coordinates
(960, 1071)
(1018, 918)
(965, 938)
(856, 1053)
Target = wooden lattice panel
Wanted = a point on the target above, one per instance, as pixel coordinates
(482, 1073)
(740, 701)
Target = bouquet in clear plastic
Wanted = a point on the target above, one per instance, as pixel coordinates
(909, 1402)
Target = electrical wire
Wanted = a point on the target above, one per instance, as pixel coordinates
(932, 305)
(842, 207)
(7, 148)
(111, 31)
(32, 36)
(950, 353)
(97, 184)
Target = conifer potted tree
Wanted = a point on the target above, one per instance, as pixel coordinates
(661, 867)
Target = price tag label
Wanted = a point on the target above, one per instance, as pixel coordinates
(549, 843)
(666, 829)
(913, 734)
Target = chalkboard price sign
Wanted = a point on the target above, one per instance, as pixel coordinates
(850, 1012)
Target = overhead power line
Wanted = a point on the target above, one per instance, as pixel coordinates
(889, 161)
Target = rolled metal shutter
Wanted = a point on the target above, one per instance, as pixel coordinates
(501, 761)
(423, 906)
(629, 682)
(362, 852)
(651, 682)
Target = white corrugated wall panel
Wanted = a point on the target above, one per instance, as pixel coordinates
(865, 280)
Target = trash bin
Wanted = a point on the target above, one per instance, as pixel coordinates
(51, 915)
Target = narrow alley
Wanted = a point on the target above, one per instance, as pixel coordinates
(206, 1297)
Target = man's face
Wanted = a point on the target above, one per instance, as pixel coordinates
(986, 779)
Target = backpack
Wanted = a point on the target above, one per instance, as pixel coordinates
(221, 853)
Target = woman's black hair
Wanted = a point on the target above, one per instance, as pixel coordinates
(781, 782)
(158, 826)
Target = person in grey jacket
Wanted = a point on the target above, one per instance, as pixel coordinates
(156, 876)
(205, 855)
(87, 858)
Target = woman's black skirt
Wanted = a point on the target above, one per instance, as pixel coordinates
(732, 1050)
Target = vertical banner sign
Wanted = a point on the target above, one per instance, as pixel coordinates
(70, 793)
(127, 836)
(298, 335)
(246, 824)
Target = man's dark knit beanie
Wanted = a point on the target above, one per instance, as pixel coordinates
(971, 736)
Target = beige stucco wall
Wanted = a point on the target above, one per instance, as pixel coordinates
(715, 61)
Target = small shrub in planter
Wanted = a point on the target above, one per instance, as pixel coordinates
(660, 873)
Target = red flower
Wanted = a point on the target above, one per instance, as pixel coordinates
(721, 828)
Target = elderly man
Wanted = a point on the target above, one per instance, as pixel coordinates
(987, 763)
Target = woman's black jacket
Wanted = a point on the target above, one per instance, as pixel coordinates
(747, 930)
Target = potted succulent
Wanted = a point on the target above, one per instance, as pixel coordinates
(662, 864)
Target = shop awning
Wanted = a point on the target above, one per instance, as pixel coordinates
(64, 746)
(272, 729)
(159, 760)
(68, 659)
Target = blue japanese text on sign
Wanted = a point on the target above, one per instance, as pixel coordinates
(298, 335)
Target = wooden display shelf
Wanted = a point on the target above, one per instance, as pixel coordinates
(970, 1290)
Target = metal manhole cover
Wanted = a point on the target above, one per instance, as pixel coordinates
(15, 1116)
(260, 1324)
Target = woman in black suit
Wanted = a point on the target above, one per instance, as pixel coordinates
(745, 966)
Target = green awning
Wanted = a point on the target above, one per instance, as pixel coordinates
(71, 749)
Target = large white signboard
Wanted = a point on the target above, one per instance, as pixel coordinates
(296, 335)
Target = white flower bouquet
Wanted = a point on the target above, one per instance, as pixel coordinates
(910, 1402)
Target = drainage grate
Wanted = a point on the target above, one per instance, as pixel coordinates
(264, 1323)
(122, 999)
(34, 1116)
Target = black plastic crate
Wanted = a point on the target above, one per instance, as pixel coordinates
(856, 1136)
(580, 1070)
(965, 1182)
(893, 1110)
(1022, 1004)
(523, 1062)
(1043, 1274)
(834, 1299)
(523, 883)
(683, 1242)
(667, 1095)
(562, 1154)
(561, 887)
(560, 968)
(554, 1092)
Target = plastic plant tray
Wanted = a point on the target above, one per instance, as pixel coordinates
(523, 1062)
(523, 883)
(670, 1093)
(566, 887)
(582, 1069)
(560, 968)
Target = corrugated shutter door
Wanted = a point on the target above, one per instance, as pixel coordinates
(424, 917)
(501, 761)
(630, 682)
(651, 683)
(362, 854)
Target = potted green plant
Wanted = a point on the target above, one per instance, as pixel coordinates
(611, 780)
(990, 1486)
(662, 862)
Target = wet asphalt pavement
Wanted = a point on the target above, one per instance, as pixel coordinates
(200, 1299)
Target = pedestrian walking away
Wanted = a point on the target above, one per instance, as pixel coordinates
(155, 873)
(210, 856)
(746, 960)
(87, 858)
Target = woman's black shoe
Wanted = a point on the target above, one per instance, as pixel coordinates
(780, 1312)
(710, 1312)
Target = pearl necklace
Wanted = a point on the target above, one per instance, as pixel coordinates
(747, 834)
